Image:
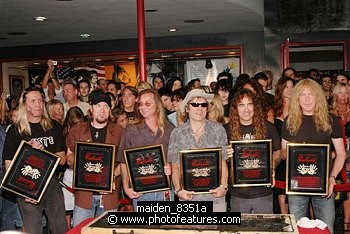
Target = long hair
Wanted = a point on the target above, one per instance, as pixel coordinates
(50, 106)
(259, 126)
(74, 115)
(217, 112)
(336, 91)
(161, 117)
(279, 100)
(22, 123)
(320, 117)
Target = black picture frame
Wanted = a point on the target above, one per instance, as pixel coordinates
(30, 172)
(251, 164)
(94, 167)
(200, 169)
(307, 169)
(146, 168)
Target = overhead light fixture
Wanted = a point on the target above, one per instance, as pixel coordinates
(66, 61)
(208, 64)
(131, 57)
(232, 52)
(172, 29)
(197, 54)
(36, 63)
(193, 21)
(85, 35)
(40, 18)
(98, 60)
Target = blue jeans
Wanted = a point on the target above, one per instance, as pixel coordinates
(11, 218)
(80, 214)
(153, 196)
(259, 205)
(323, 208)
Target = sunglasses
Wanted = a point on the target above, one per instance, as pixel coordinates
(196, 104)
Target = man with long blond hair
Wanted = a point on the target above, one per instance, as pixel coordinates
(34, 126)
(248, 123)
(310, 122)
(152, 128)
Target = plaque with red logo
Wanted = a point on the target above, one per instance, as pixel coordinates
(200, 169)
(30, 172)
(307, 169)
(146, 168)
(251, 164)
(94, 167)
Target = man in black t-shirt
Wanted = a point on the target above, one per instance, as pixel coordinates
(310, 122)
(248, 122)
(34, 126)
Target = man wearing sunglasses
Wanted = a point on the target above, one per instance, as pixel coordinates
(198, 133)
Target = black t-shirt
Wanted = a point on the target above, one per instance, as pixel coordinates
(52, 140)
(308, 134)
(248, 134)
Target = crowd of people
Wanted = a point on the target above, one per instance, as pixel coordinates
(54, 116)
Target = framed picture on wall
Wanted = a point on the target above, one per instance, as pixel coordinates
(16, 86)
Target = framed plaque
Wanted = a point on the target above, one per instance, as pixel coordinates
(146, 168)
(200, 169)
(307, 169)
(94, 167)
(30, 172)
(251, 164)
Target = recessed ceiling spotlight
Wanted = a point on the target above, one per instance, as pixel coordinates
(151, 10)
(98, 59)
(40, 18)
(36, 63)
(66, 61)
(85, 35)
(192, 21)
(198, 54)
(131, 57)
(16, 33)
(172, 29)
(232, 52)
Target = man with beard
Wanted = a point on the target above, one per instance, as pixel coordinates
(100, 130)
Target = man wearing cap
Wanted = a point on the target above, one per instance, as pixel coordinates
(198, 133)
(100, 130)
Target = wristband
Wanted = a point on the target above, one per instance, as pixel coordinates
(223, 187)
(177, 191)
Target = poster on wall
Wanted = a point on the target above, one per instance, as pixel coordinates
(197, 69)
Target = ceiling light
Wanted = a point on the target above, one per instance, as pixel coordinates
(131, 57)
(151, 10)
(197, 54)
(66, 61)
(16, 33)
(192, 21)
(85, 35)
(232, 52)
(172, 29)
(39, 18)
(36, 63)
(98, 60)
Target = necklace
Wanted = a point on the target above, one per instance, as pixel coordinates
(96, 135)
(195, 132)
(342, 114)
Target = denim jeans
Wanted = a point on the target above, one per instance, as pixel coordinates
(154, 196)
(324, 208)
(53, 205)
(259, 205)
(80, 214)
(11, 218)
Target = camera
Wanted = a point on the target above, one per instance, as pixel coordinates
(54, 63)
